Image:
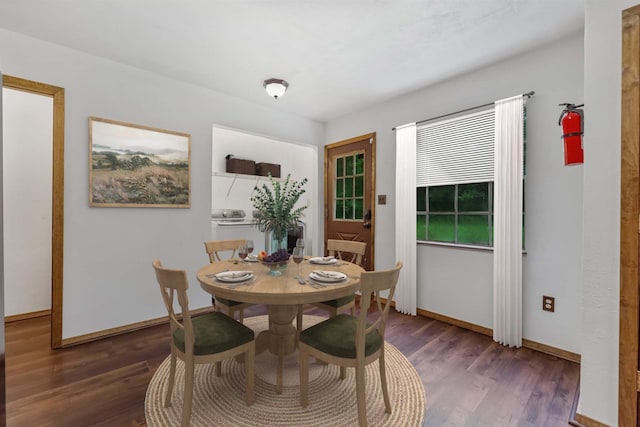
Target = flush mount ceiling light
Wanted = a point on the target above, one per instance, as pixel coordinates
(275, 87)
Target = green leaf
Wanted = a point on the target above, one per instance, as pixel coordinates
(275, 204)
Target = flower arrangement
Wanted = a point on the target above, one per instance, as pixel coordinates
(275, 205)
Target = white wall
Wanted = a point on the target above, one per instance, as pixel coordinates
(295, 159)
(601, 247)
(458, 282)
(108, 279)
(27, 169)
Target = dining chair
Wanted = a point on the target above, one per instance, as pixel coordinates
(215, 249)
(350, 341)
(209, 338)
(347, 250)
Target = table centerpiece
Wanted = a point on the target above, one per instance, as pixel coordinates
(276, 213)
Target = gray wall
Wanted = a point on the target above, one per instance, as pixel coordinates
(108, 279)
(458, 282)
(601, 248)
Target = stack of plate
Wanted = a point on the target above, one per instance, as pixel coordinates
(323, 260)
(327, 276)
(234, 276)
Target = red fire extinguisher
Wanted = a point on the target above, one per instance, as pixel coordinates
(572, 131)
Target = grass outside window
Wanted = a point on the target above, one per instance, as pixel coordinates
(456, 214)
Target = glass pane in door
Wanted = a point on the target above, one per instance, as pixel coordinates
(349, 178)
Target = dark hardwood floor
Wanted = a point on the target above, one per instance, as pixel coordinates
(469, 379)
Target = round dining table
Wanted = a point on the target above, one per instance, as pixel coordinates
(282, 294)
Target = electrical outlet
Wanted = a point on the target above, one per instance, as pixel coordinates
(548, 303)
(382, 199)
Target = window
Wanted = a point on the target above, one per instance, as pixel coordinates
(454, 176)
(461, 213)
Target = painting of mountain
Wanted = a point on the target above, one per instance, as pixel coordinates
(138, 166)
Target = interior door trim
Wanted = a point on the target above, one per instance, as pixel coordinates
(57, 208)
(629, 218)
(372, 138)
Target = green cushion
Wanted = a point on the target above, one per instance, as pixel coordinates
(340, 301)
(337, 335)
(214, 333)
(228, 302)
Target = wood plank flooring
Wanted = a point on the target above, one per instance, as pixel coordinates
(469, 379)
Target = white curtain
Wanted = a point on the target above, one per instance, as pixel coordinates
(507, 243)
(406, 295)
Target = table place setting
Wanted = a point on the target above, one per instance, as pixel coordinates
(324, 260)
(327, 277)
(234, 278)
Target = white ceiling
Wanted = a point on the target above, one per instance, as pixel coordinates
(338, 55)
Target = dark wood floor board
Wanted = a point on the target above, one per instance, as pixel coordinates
(454, 394)
(535, 411)
(469, 379)
(487, 358)
(53, 369)
(429, 329)
(437, 351)
(565, 392)
(94, 399)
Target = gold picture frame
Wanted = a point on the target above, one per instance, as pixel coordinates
(138, 166)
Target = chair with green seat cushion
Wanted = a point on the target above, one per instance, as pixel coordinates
(347, 250)
(214, 249)
(350, 341)
(209, 338)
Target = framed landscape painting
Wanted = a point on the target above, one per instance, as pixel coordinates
(138, 166)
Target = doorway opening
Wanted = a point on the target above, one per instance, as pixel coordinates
(57, 199)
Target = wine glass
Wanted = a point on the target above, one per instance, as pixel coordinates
(249, 246)
(243, 252)
(298, 256)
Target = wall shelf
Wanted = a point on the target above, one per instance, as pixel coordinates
(256, 178)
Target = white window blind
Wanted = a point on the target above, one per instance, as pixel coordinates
(457, 150)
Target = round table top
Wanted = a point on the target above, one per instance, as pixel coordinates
(278, 290)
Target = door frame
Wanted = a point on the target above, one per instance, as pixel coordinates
(57, 206)
(372, 137)
(629, 219)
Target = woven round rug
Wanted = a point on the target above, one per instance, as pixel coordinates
(220, 401)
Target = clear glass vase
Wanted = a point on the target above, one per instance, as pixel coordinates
(275, 244)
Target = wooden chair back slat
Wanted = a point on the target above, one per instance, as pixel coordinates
(347, 250)
(215, 247)
(174, 283)
(373, 283)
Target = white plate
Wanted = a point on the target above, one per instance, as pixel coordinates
(323, 260)
(250, 258)
(234, 276)
(327, 276)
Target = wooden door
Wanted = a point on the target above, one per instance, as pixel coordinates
(629, 356)
(349, 185)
